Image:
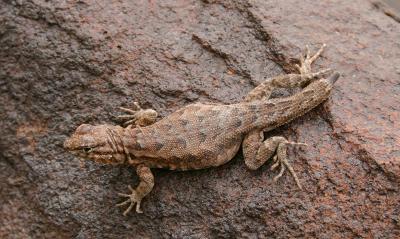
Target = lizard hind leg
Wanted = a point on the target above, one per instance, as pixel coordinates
(301, 79)
(305, 63)
(257, 152)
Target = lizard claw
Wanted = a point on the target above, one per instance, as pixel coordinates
(280, 160)
(132, 115)
(307, 59)
(284, 164)
(132, 199)
(138, 116)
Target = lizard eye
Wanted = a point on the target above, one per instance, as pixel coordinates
(87, 149)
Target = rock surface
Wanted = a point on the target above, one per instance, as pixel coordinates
(64, 63)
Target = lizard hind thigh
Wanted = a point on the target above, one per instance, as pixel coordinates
(256, 152)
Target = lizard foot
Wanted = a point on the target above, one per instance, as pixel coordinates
(305, 63)
(138, 117)
(133, 199)
(280, 160)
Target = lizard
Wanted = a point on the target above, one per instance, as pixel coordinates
(204, 135)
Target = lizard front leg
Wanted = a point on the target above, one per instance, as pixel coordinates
(145, 186)
(139, 117)
(256, 152)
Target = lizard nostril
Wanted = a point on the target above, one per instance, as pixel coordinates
(67, 144)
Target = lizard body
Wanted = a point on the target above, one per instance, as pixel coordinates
(205, 135)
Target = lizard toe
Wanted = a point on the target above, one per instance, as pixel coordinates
(132, 199)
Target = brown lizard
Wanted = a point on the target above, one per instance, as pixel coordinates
(200, 136)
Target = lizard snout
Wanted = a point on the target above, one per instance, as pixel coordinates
(67, 144)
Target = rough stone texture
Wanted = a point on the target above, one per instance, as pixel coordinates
(64, 63)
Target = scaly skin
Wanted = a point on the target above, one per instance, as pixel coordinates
(205, 135)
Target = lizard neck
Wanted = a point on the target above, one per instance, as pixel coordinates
(139, 146)
(117, 144)
(129, 139)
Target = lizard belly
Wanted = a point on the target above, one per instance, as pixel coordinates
(199, 159)
(210, 157)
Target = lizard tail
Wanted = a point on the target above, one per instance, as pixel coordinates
(287, 109)
(334, 77)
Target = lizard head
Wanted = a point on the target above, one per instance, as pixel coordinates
(100, 143)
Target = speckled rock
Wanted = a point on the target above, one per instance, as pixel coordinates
(64, 63)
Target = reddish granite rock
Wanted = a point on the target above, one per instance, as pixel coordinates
(64, 63)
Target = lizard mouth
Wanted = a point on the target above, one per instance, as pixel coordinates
(105, 158)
